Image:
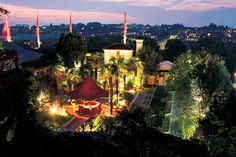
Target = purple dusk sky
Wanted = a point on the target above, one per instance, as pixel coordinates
(187, 12)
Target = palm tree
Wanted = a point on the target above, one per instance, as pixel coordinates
(85, 70)
(115, 71)
(111, 93)
(123, 68)
(3, 11)
(107, 75)
(72, 77)
(131, 65)
(98, 62)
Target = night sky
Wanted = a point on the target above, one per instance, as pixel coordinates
(187, 12)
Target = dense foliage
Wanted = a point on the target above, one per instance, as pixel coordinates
(3, 11)
(135, 134)
(199, 80)
(150, 58)
(218, 46)
(17, 114)
(218, 129)
(71, 48)
(129, 134)
(173, 49)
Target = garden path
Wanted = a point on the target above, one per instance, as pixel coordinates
(76, 122)
(144, 98)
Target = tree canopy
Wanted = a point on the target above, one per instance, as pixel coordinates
(199, 80)
(150, 57)
(71, 48)
(3, 11)
(218, 129)
(173, 49)
(218, 46)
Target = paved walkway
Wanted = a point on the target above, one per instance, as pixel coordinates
(75, 122)
(144, 98)
(78, 120)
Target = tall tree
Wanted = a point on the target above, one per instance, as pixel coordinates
(199, 80)
(98, 60)
(218, 129)
(115, 71)
(71, 48)
(214, 45)
(173, 49)
(3, 11)
(150, 57)
(108, 75)
(17, 115)
(218, 46)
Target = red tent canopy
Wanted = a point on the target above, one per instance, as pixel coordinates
(88, 90)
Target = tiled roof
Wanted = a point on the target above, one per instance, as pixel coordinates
(23, 54)
(118, 46)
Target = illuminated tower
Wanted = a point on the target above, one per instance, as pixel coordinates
(37, 32)
(125, 35)
(139, 45)
(70, 28)
(6, 30)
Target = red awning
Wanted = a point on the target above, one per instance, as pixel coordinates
(88, 90)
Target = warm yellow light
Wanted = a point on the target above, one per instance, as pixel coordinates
(88, 54)
(43, 97)
(121, 85)
(63, 112)
(132, 91)
(54, 110)
(122, 103)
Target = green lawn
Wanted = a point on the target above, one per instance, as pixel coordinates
(158, 105)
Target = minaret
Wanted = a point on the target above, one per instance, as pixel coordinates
(125, 35)
(37, 32)
(70, 28)
(6, 30)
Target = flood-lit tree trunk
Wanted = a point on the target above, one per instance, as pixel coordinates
(117, 90)
(96, 69)
(111, 94)
(70, 84)
(105, 84)
(124, 78)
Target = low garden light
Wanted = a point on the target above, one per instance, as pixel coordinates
(121, 86)
(132, 91)
(122, 103)
(54, 110)
(43, 97)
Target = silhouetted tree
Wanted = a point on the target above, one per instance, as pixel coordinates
(150, 58)
(173, 49)
(3, 11)
(71, 48)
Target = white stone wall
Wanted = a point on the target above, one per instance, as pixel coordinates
(139, 45)
(108, 54)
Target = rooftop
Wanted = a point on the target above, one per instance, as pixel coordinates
(24, 55)
(118, 46)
